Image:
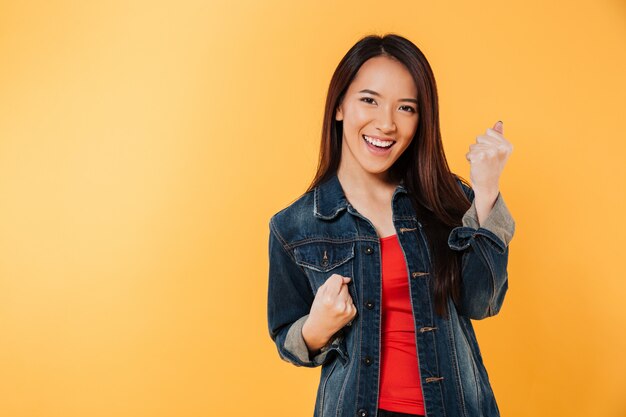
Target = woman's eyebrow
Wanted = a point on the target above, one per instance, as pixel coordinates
(412, 100)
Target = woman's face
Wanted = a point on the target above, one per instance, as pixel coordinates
(380, 106)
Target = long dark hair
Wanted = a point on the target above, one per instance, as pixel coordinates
(435, 194)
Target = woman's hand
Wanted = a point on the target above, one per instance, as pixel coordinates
(487, 158)
(331, 310)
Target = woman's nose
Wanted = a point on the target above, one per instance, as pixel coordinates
(385, 121)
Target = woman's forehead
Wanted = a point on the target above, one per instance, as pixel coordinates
(384, 76)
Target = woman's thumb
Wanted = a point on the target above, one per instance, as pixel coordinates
(499, 127)
(346, 280)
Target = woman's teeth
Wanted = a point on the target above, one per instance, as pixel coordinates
(379, 143)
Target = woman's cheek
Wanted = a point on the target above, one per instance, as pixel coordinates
(359, 117)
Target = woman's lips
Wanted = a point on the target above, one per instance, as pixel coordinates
(375, 149)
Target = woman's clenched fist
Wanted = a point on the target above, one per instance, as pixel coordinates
(331, 310)
(487, 158)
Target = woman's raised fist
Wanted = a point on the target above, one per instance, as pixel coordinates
(487, 158)
(332, 309)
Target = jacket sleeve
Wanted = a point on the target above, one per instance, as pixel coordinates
(484, 277)
(288, 305)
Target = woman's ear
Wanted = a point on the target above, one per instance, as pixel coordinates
(339, 114)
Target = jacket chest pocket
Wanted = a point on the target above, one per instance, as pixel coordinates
(320, 260)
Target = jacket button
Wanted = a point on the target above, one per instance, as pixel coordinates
(369, 305)
(368, 250)
(362, 412)
(368, 360)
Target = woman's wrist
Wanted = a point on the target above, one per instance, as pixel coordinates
(484, 201)
(313, 337)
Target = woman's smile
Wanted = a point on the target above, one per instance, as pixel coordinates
(378, 146)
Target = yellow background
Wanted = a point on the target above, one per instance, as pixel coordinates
(145, 144)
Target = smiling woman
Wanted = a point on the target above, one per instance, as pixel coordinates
(376, 120)
(378, 268)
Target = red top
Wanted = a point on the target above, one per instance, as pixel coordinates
(400, 388)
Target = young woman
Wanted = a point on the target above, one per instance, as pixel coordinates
(378, 268)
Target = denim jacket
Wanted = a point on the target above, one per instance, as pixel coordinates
(320, 234)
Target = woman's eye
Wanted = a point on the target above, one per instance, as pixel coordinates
(365, 99)
(409, 108)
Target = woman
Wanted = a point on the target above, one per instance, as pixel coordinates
(378, 268)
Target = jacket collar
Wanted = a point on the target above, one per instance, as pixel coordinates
(330, 199)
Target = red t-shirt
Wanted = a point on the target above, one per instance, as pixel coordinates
(400, 387)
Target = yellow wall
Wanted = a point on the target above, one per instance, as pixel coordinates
(144, 146)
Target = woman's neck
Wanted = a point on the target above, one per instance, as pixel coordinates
(366, 185)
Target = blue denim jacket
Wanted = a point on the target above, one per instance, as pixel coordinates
(321, 234)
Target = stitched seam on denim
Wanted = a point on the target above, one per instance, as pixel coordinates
(404, 218)
(423, 238)
(437, 368)
(359, 338)
(356, 302)
(443, 403)
(430, 307)
(327, 240)
(481, 231)
(328, 268)
(454, 361)
(456, 231)
(318, 269)
(479, 390)
(346, 379)
(284, 244)
(493, 281)
(323, 391)
(490, 238)
(471, 354)
(316, 206)
(280, 238)
(493, 245)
